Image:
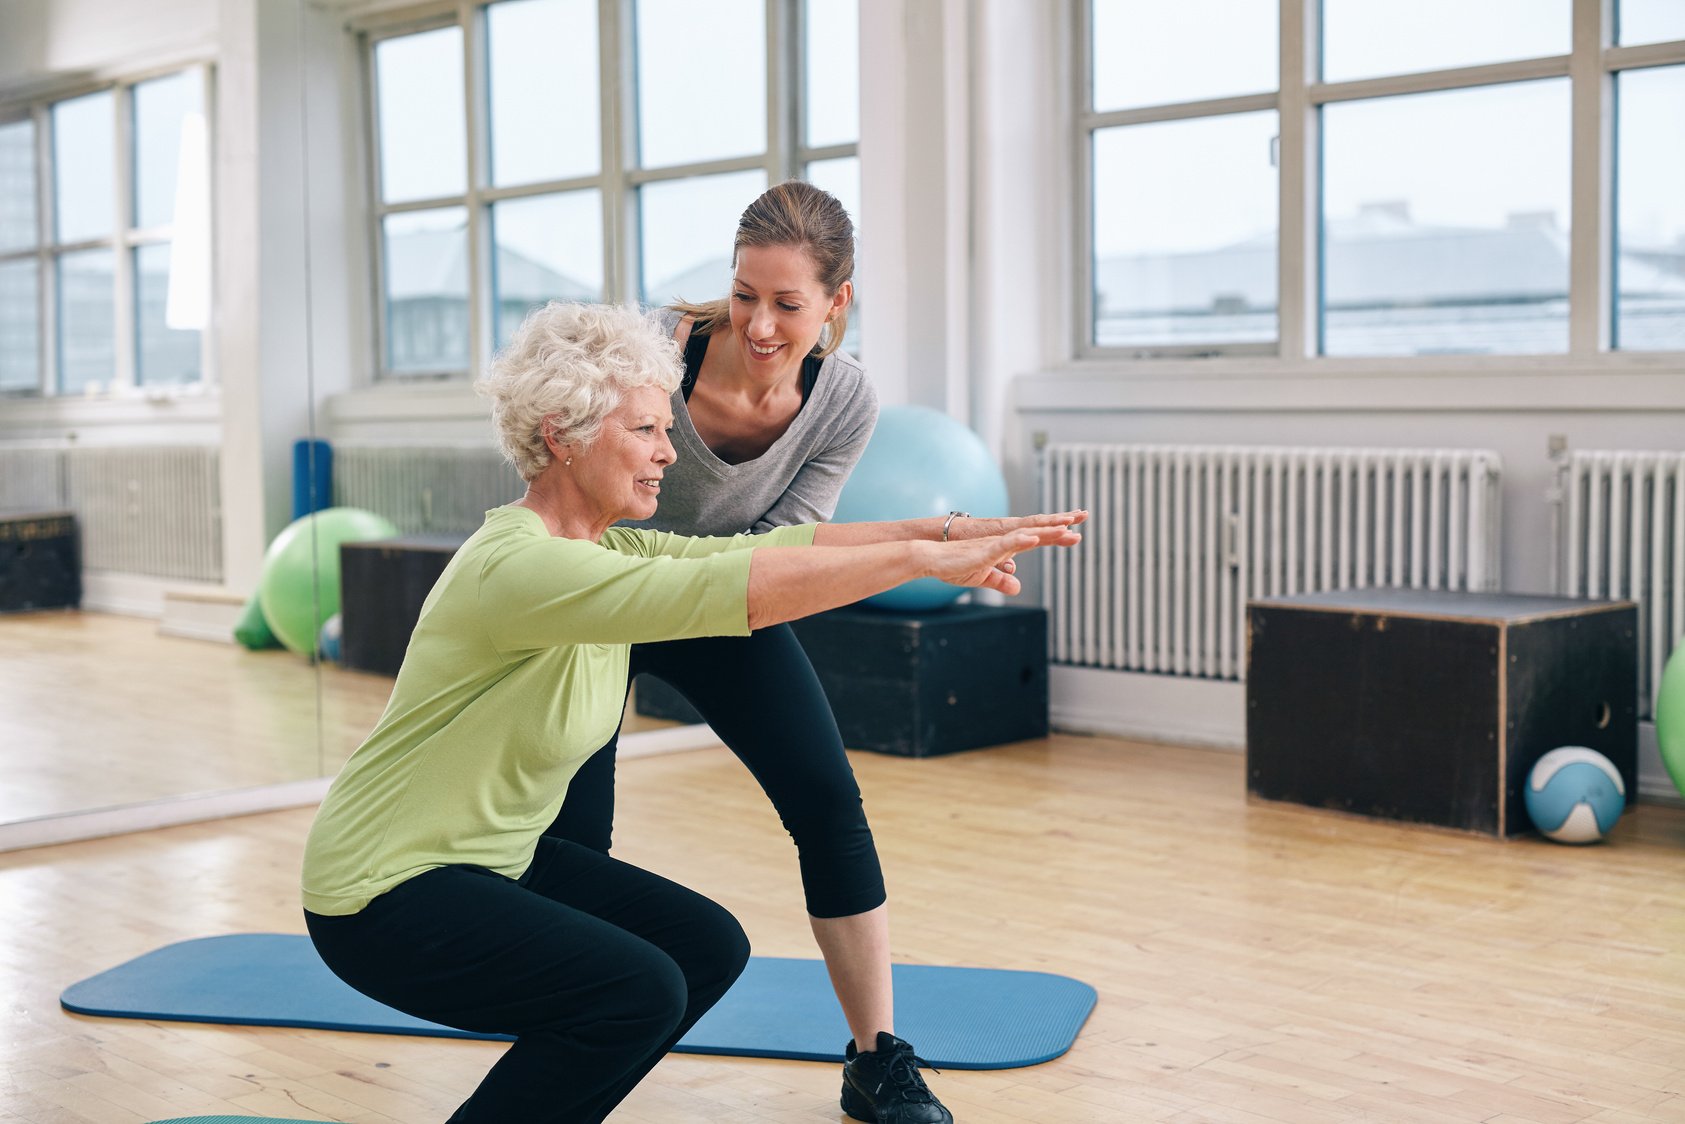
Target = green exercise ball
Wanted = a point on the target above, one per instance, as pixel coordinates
(299, 585)
(1670, 717)
(251, 630)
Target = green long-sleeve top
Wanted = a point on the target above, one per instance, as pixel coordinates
(515, 673)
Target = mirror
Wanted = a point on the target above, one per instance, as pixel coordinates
(237, 226)
(173, 315)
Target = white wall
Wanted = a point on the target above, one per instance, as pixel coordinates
(54, 42)
(914, 199)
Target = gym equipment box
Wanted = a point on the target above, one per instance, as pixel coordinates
(40, 562)
(382, 584)
(916, 684)
(1432, 707)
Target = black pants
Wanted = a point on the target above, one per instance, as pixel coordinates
(597, 967)
(760, 695)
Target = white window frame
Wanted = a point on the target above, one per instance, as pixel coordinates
(123, 241)
(617, 181)
(1591, 66)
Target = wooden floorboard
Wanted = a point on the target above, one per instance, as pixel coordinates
(1256, 963)
(100, 711)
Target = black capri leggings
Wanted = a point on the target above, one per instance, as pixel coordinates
(761, 696)
(597, 968)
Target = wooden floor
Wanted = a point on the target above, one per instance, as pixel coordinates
(1254, 962)
(99, 710)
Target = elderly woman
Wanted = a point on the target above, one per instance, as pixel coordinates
(429, 884)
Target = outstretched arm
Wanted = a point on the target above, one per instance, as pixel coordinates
(960, 528)
(786, 583)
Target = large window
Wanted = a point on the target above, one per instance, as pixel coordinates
(1650, 208)
(1444, 222)
(1181, 150)
(104, 239)
(509, 172)
(1348, 178)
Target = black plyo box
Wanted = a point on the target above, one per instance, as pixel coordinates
(382, 585)
(1432, 707)
(916, 684)
(40, 561)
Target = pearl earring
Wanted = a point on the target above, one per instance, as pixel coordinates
(567, 462)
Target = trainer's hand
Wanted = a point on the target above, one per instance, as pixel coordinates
(965, 527)
(987, 563)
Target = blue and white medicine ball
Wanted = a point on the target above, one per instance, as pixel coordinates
(1575, 795)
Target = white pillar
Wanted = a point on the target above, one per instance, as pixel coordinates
(915, 209)
(965, 199)
(285, 309)
(1021, 286)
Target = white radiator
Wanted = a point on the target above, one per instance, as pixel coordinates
(31, 479)
(152, 510)
(1182, 536)
(432, 489)
(1621, 535)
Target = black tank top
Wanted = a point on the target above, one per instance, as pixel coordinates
(697, 347)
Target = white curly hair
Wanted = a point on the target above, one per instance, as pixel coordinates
(568, 366)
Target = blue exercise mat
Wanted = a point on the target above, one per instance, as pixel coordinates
(959, 1018)
(235, 1120)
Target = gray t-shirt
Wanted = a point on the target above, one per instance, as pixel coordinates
(796, 481)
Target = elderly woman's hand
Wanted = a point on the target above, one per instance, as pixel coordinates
(963, 528)
(987, 563)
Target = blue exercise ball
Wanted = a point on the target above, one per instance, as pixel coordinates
(1575, 795)
(920, 463)
(328, 639)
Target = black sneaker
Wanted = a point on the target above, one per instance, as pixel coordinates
(883, 1086)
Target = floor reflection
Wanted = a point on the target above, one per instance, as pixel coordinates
(98, 711)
